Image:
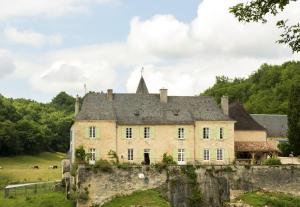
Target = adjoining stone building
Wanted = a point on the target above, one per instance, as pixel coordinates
(140, 127)
(251, 143)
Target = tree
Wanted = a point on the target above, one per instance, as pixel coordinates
(294, 119)
(256, 11)
(64, 101)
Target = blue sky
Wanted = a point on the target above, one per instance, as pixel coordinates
(49, 46)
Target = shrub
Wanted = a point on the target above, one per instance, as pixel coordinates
(285, 148)
(168, 159)
(103, 165)
(272, 161)
(113, 155)
(80, 154)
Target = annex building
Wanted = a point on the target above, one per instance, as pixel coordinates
(140, 127)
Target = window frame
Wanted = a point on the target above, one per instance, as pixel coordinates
(180, 133)
(130, 154)
(146, 132)
(221, 133)
(206, 154)
(92, 132)
(128, 133)
(92, 152)
(181, 155)
(220, 154)
(205, 133)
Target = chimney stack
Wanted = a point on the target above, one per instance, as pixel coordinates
(77, 105)
(225, 105)
(109, 94)
(164, 95)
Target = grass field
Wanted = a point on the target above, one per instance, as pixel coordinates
(149, 198)
(49, 199)
(18, 169)
(261, 199)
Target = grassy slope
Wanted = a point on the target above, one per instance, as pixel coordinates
(259, 199)
(49, 199)
(149, 198)
(19, 169)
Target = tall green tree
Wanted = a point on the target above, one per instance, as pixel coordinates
(256, 11)
(294, 119)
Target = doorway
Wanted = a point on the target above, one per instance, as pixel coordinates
(147, 156)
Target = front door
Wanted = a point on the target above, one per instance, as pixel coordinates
(147, 157)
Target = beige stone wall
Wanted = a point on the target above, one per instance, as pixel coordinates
(163, 139)
(214, 142)
(105, 137)
(246, 136)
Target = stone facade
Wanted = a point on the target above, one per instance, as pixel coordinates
(163, 139)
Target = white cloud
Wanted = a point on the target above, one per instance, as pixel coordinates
(7, 65)
(32, 38)
(48, 8)
(183, 57)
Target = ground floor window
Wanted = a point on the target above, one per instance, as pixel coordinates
(93, 154)
(130, 154)
(206, 154)
(219, 154)
(180, 155)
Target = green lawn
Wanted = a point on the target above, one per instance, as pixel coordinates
(49, 199)
(261, 199)
(149, 198)
(18, 169)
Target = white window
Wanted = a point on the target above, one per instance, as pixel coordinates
(180, 133)
(128, 133)
(206, 154)
(146, 132)
(221, 133)
(180, 155)
(219, 154)
(93, 154)
(130, 154)
(92, 132)
(206, 133)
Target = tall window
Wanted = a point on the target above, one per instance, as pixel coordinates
(92, 132)
(146, 132)
(180, 133)
(206, 154)
(206, 133)
(130, 154)
(93, 154)
(221, 133)
(219, 154)
(180, 155)
(128, 133)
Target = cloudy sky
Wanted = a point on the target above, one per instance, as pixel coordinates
(48, 46)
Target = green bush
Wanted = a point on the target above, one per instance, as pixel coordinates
(285, 148)
(80, 154)
(103, 165)
(113, 155)
(272, 161)
(168, 159)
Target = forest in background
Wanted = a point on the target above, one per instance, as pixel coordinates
(29, 127)
(266, 91)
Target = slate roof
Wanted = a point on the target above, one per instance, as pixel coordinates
(255, 147)
(243, 119)
(276, 125)
(145, 108)
(142, 88)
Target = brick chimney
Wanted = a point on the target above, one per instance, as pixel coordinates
(77, 105)
(164, 95)
(109, 94)
(225, 105)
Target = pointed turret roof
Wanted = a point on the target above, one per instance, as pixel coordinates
(142, 88)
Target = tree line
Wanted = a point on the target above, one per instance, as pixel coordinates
(29, 127)
(272, 89)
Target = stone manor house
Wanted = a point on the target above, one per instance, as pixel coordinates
(140, 127)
